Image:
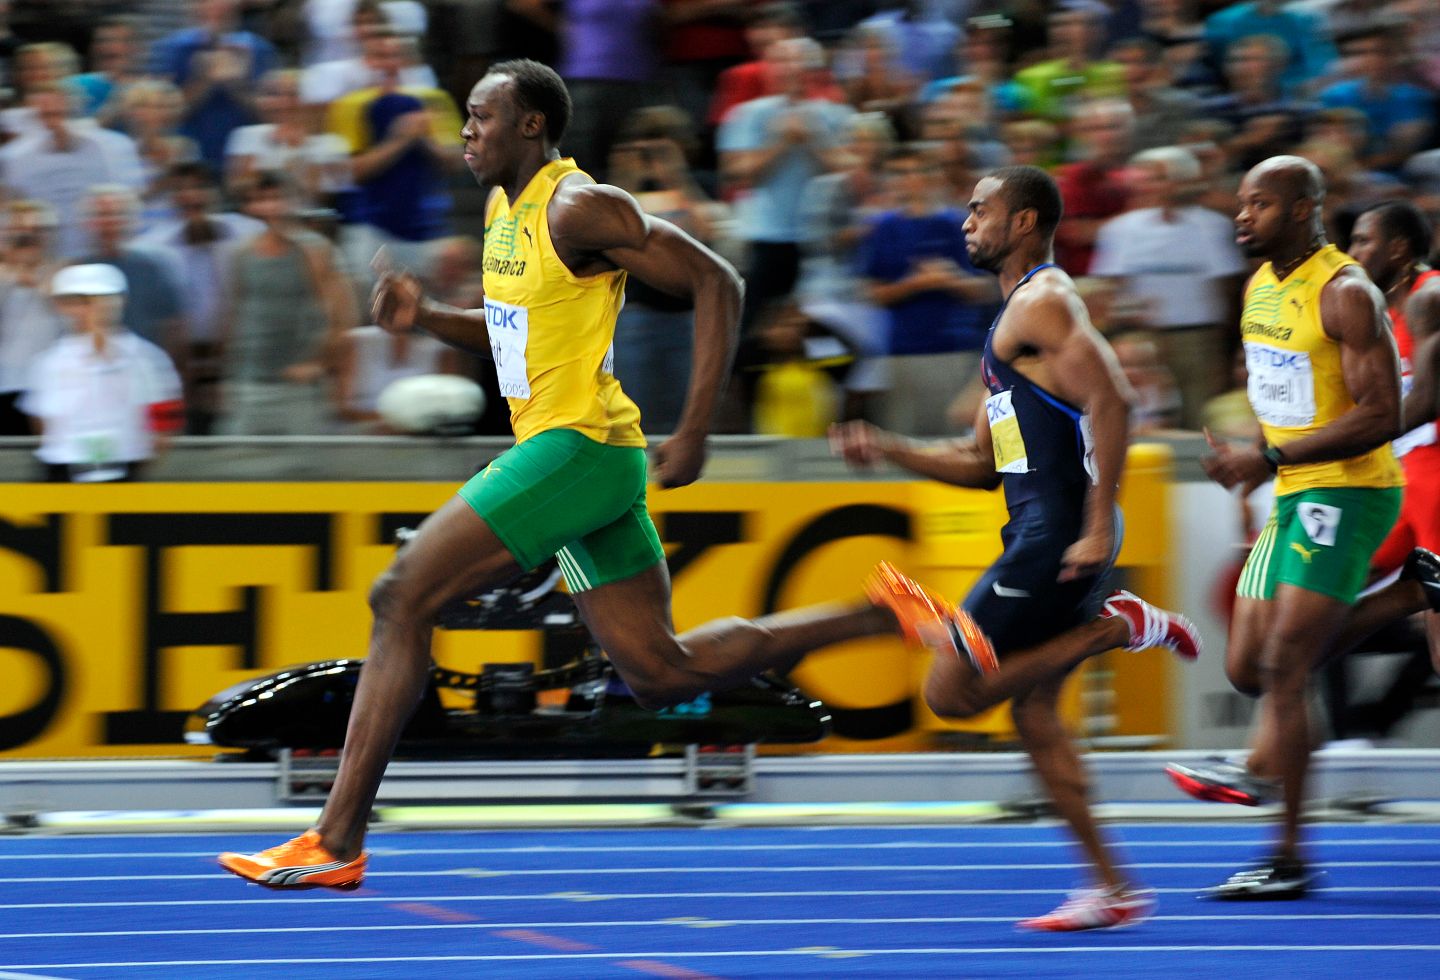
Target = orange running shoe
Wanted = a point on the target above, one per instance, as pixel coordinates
(299, 863)
(929, 620)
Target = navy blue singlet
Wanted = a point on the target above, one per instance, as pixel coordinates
(1042, 443)
(1041, 449)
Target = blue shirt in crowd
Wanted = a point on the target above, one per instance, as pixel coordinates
(210, 122)
(1385, 108)
(932, 322)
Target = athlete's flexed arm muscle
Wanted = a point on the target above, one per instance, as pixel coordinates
(1352, 312)
(597, 227)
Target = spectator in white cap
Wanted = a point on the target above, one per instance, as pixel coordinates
(103, 399)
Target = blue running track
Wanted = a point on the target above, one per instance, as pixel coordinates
(892, 901)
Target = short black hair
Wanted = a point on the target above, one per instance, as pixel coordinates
(196, 170)
(1401, 219)
(538, 89)
(1027, 187)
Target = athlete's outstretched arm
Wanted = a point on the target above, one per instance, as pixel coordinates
(1081, 368)
(399, 304)
(604, 221)
(1422, 315)
(966, 462)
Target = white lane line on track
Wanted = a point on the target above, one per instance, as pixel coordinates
(729, 953)
(711, 848)
(722, 827)
(679, 924)
(644, 896)
(739, 869)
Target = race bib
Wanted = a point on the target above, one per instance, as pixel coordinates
(1005, 435)
(1281, 386)
(509, 328)
(1421, 435)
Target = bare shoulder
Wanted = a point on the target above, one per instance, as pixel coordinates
(594, 217)
(1050, 300)
(1351, 306)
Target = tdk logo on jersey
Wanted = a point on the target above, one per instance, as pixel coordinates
(502, 317)
(1269, 357)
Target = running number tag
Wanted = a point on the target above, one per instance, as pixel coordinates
(509, 328)
(1281, 386)
(1005, 436)
(1423, 435)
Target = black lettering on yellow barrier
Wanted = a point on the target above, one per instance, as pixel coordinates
(22, 726)
(157, 533)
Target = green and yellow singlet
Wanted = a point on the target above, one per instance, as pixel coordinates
(552, 332)
(1296, 386)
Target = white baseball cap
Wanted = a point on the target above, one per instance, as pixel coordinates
(97, 279)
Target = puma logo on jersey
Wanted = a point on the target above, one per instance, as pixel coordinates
(1305, 553)
(1299, 306)
(526, 233)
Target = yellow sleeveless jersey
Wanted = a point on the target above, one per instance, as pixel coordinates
(552, 332)
(1296, 386)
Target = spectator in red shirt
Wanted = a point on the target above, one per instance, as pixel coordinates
(1093, 187)
(757, 78)
(702, 39)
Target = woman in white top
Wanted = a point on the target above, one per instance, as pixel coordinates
(104, 399)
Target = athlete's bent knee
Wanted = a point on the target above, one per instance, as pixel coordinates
(392, 600)
(655, 689)
(1244, 678)
(953, 704)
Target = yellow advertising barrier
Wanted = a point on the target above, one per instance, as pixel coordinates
(124, 607)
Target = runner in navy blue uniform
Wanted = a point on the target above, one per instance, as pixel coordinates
(1054, 432)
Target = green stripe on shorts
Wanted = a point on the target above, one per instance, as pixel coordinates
(1321, 541)
(561, 493)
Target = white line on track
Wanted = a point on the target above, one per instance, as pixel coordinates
(725, 954)
(734, 869)
(703, 923)
(578, 896)
(711, 848)
(721, 827)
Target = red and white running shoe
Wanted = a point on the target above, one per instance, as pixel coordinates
(1096, 908)
(1151, 626)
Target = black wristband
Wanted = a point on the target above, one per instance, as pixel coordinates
(1273, 457)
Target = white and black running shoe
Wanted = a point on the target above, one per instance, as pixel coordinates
(1277, 880)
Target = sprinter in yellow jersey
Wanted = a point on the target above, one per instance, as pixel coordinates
(1325, 384)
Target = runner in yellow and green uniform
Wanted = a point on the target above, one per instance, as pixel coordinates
(1324, 380)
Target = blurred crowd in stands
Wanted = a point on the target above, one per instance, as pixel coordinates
(241, 161)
